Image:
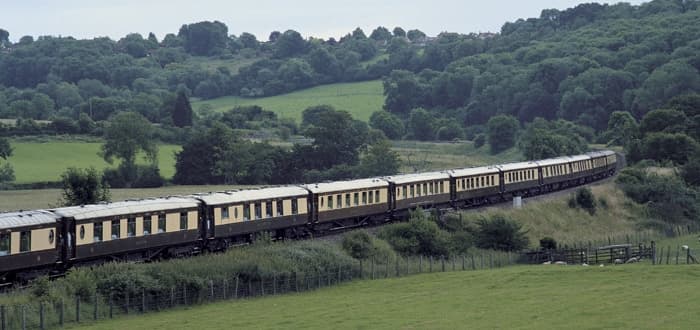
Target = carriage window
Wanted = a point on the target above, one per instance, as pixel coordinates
(4, 244)
(235, 212)
(51, 236)
(339, 201)
(268, 209)
(116, 225)
(131, 227)
(371, 197)
(425, 189)
(183, 220)
(82, 232)
(322, 201)
(413, 191)
(25, 241)
(147, 223)
(161, 223)
(442, 187)
(295, 206)
(258, 210)
(97, 232)
(405, 191)
(330, 202)
(364, 197)
(224, 212)
(347, 200)
(431, 186)
(376, 194)
(482, 181)
(280, 208)
(464, 185)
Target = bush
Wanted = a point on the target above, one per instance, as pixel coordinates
(548, 243)
(418, 236)
(361, 245)
(148, 177)
(479, 141)
(501, 233)
(586, 200)
(666, 197)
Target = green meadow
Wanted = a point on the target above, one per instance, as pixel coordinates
(45, 161)
(360, 99)
(637, 296)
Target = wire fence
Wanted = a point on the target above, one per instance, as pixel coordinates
(92, 307)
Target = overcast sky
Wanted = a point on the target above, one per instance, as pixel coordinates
(319, 18)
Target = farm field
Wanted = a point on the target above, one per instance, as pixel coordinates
(637, 296)
(360, 99)
(45, 161)
(419, 156)
(44, 198)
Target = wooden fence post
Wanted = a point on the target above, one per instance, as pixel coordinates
(431, 264)
(41, 316)
(362, 273)
(235, 290)
(111, 304)
(77, 309)
(653, 253)
(61, 313)
(678, 253)
(442, 259)
(473, 264)
(143, 300)
(386, 268)
(94, 309)
(24, 317)
(372, 267)
(668, 254)
(184, 295)
(420, 264)
(3, 323)
(463, 262)
(398, 273)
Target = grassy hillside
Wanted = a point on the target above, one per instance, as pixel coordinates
(360, 99)
(551, 216)
(529, 297)
(45, 161)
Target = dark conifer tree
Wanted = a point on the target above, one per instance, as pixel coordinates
(182, 113)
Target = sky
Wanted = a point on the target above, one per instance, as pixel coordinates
(318, 18)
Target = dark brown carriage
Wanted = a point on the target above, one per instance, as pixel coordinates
(418, 190)
(352, 203)
(476, 185)
(140, 229)
(231, 216)
(29, 240)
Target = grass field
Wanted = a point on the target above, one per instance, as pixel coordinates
(529, 297)
(45, 198)
(360, 99)
(41, 162)
(426, 156)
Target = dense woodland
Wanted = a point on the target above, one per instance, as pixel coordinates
(619, 74)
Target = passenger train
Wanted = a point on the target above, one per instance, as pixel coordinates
(40, 242)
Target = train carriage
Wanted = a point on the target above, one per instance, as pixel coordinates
(28, 240)
(580, 167)
(341, 204)
(604, 162)
(139, 229)
(476, 185)
(233, 215)
(553, 170)
(424, 190)
(519, 178)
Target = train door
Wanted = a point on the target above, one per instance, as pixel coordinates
(392, 196)
(67, 239)
(540, 178)
(453, 189)
(206, 222)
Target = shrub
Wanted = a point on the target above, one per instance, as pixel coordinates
(586, 200)
(548, 243)
(603, 202)
(501, 233)
(479, 140)
(148, 177)
(418, 236)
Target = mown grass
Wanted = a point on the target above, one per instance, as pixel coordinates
(529, 297)
(45, 161)
(419, 156)
(360, 99)
(45, 198)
